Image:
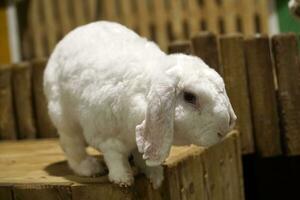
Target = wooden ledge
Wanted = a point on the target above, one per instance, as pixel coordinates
(35, 168)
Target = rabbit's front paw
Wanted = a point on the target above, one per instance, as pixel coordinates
(121, 177)
(155, 175)
(90, 166)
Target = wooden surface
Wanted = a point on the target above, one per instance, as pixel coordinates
(7, 118)
(22, 91)
(45, 128)
(288, 74)
(36, 169)
(162, 21)
(235, 77)
(263, 98)
(205, 46)
(4, 36)
(180, 47)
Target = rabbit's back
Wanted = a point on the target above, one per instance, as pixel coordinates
(99, 75)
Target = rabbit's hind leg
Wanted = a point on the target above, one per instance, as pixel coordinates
(74, 146)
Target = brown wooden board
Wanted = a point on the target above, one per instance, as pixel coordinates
(263, 97)
(45, 128)
(37, 169)
(285, 53)
(180, 47)
(22, 90)
(7, 115)
(205, 46)
(235, 77)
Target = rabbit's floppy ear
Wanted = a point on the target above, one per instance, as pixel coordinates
(154, 136)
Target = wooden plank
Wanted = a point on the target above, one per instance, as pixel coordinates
(205, 46)
(4, 37)
(36, 27)
(229, 15)
(176, 18)
(79, 14)
(263, 97)
(127, 17)
(92, 10)
(144, 19)
(160, 20)
(263, 12)
(110, 12)
(22, 91)
(6, 192)
(40, 191)
(50, 25)
(183, 46)
(65, 18)
(7, 115)
(211, 15)
(98, 191)
(235, 77)
(285, 52)
(44, 126)
(221, 163)
(247, 13)
(193, 17)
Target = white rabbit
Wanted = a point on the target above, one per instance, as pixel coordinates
(111, 89)
(294, 6)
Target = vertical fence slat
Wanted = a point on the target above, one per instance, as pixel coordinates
(263, 13)
(248, 16)
(206, 47)
(263, 97)
(7, 118)
(92, 10)
(79, 16)
(22, 90)
(128, 14)
(288, 73)
(180, 47)
(176, 18)
(50, 24)
(160, 23)
(229, 15)
(36, 27)
(110, 10)
(234, 73)
(193, 16)
(66, 21)
(143, 16)
(211, 16)
(44, 126)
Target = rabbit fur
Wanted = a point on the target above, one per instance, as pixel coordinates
(111, 89)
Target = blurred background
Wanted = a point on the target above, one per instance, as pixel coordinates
(31, 28)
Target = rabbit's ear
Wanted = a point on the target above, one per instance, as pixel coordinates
(154, 136)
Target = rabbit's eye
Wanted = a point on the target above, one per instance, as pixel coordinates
(189, 97)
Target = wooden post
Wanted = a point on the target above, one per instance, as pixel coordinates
(7, 116)
(180, 47)
(22, 90)
(288, 74)
(263, 97)
(205, 46)
(44, 126)
(235, 77)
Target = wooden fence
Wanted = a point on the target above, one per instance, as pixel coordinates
(159, 20)
(262, 79)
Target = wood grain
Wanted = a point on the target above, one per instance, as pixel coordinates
(7, 115)
(235, 77)
(37, 169)
(263, 97)
(183, 46)
(205, 46)
(285, 52)
(45, 128)
(22, 90)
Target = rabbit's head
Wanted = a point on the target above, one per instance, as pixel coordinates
(189, 105)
